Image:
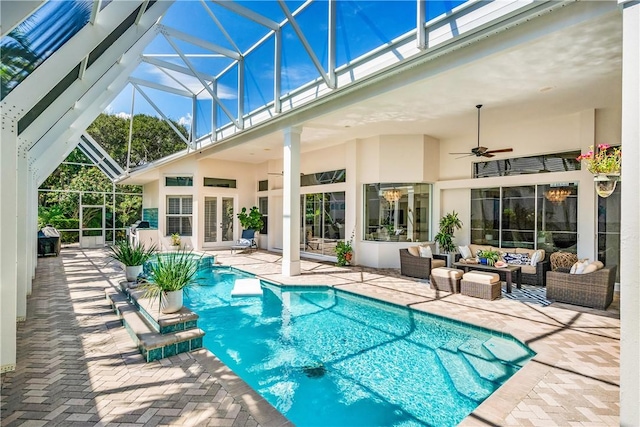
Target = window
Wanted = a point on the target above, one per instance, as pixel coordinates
(263, 207)
(609, 229)
(558, 162)
(220, 182)
(178, 181)
(323, 219)
(532, 216)
(179, 214)
(397, 212)
(320, 178)
(263, 185)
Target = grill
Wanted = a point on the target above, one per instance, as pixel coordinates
(48, 241)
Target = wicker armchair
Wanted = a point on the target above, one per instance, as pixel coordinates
(419, 267)
(540, 276)
(589, 290)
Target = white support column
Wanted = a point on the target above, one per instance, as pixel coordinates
(8, 236)
(33, 224)
(291, 203)
(630, 218)
(22, 234)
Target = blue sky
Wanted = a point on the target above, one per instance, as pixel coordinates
(361, 27)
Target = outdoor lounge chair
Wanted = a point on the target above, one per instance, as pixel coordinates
(589, 290)
(246, 241)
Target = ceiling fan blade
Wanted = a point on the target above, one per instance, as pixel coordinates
(468, 154)
(462, 157)
(487, 154)
(503, 150)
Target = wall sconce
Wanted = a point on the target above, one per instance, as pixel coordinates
(392, 195)
(606, 184)
(557, 195)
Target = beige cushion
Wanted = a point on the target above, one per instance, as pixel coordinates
(579, 267)
(451, 273)
(413, 250)
(590, 268)
(437, 263)
(537, 256)
(528, 269)
(425, 251)
(481, 277)
(599, 264)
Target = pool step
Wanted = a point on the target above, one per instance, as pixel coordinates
(508, 351)
(151, 343)
(464, 377)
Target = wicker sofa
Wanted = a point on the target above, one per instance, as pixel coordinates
(593, 290)
(419, 267)
(531, 275)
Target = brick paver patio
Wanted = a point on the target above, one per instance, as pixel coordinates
(77, 366)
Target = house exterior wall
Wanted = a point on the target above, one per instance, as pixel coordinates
(401, 158)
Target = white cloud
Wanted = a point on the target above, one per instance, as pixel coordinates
(185, 120)
(123, 115)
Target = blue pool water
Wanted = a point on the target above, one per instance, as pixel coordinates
(329, 358)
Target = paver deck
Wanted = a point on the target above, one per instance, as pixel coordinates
(77, 366)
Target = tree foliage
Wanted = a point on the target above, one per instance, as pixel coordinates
(152, 138)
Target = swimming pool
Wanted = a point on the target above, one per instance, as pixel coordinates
(329, 358)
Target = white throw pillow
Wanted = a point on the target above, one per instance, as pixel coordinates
(535, 257)
(574, 267)
(425, 252)
(581, 266)
(465, 252)
(590, 268)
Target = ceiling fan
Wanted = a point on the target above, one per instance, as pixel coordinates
(479, 151)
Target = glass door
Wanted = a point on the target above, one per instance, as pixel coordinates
(322, 222)
(218, 219)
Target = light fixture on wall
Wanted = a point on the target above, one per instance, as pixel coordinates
(557, 195)
(606, 184)
(392, 195)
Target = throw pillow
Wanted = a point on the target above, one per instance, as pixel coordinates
(598, 264)
(425, 252)
(574, 267)
(536, 257)
(413, 250)
(243, 242)
(581, 266)
(465, 252)
(590, 268)
(516, 259)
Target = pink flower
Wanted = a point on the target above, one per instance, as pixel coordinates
(603, 146)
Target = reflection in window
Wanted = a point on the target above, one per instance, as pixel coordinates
(328, 177)
(38, 37)
(609, 229)
(323, 222)
(556, 162)
(540, 217)
(178, 181)
(397, 212)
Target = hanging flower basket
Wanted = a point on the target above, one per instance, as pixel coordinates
(605, 164)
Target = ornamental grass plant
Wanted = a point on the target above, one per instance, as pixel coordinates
(170, 272)
(131, 254)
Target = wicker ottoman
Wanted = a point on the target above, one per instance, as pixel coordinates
(481, 284)
(446, 279)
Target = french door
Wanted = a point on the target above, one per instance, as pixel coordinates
(218, 219)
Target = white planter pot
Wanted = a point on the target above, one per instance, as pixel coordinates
(132, 272)
(174, 248)
(170, 302)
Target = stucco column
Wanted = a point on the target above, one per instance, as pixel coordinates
(630, 218)
(8, 237)
(22, 197)
(291, 202)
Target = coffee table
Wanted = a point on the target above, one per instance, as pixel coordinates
(509, 271)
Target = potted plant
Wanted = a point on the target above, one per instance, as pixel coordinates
(604, 163)
(448, 225)
(131, 256)
(344, 251)
(168, 277)
(489, 257)
(175, 242)
(251, 220)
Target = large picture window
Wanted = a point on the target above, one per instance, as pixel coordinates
(397, 212)
(531, 216)
(179, 215)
